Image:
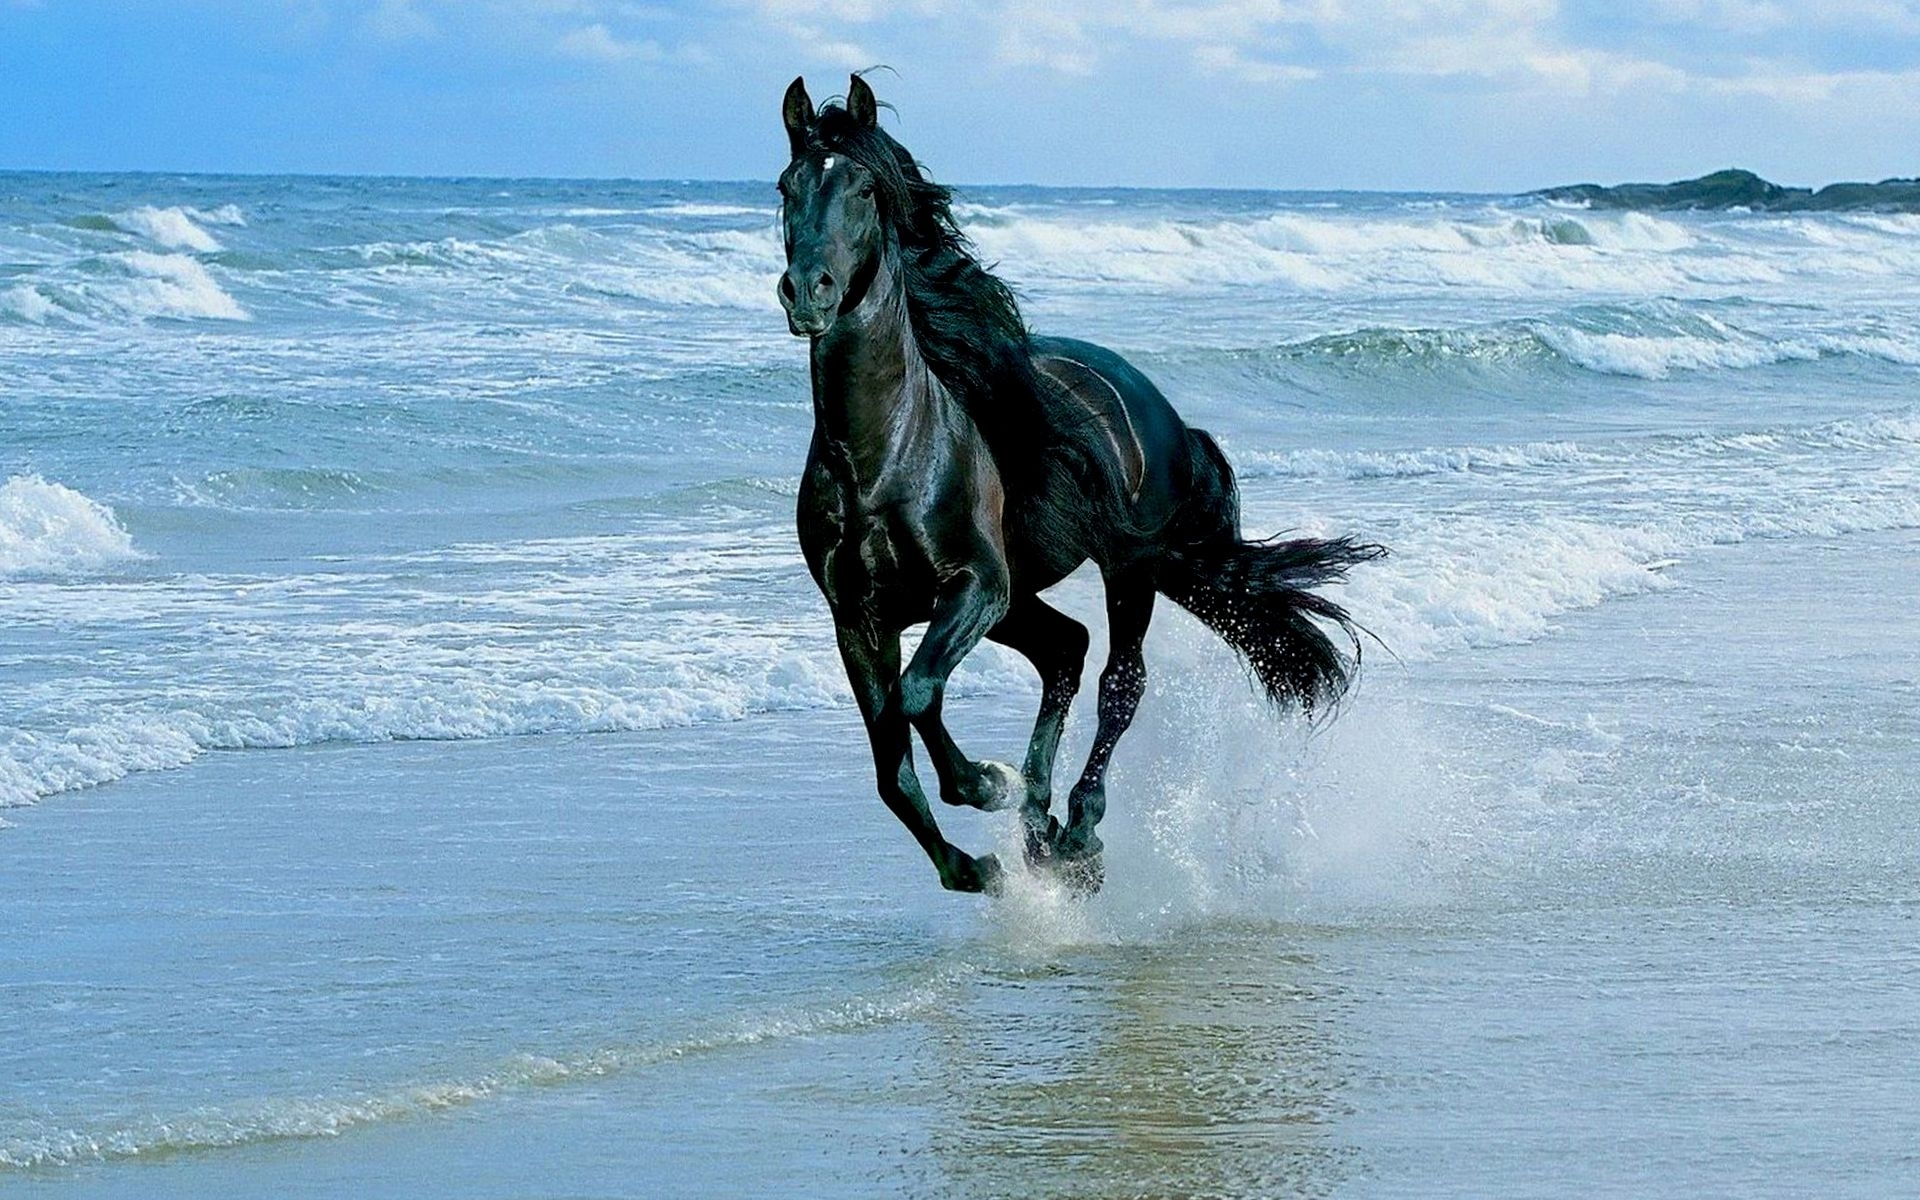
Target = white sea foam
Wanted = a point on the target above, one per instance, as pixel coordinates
(612, 633)
(696, 209)
(1876, 432)
(1074, 250)
(1649, 340)
(593, 635)
(1471, 582)
(48, 527)
(416, 689)
(1318, 252)
(1402, 464)
(307, 1117)
(171, 285)
(89, 288)
(23, 300)
(226, 214)
(727, 268)
(1459, 580)
(173, 228)
(1315, 253)
(1656, 357)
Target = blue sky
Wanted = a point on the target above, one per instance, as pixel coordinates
(1440, 94)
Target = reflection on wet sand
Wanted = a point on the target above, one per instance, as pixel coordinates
(1203, 1064)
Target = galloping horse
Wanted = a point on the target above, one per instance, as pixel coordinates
(960, 466)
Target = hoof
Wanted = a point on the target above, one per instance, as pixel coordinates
(993, 877)
(994, 786)
(1077, 861)
(1083, 875)
(983, 874)
(1077, 843)
(1042, 843)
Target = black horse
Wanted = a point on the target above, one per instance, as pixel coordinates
(959, 466)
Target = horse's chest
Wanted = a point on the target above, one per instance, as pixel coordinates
(859, 555)
(869, 567)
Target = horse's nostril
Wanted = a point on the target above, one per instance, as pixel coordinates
(826, 281)
(786, 286)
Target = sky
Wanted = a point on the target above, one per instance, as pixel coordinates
(1442, 95)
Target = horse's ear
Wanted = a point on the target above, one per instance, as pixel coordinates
(861, 105)
(797, 110)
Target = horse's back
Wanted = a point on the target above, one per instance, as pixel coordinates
(1141, 430)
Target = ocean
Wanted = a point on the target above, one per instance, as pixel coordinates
(425, 768)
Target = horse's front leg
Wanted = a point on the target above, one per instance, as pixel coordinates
(872, 659)
(1056, 645)
(972, 602)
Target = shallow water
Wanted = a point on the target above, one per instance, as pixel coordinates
(429, 772)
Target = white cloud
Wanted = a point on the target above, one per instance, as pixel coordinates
(850, 12)
(1896, 90)
(1229, 61)
(1040, 37)
(399, 21)
(1509, 46)
(597, 43)
(1754, 17)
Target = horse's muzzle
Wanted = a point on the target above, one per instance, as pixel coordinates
(812, 305)
(810, 325)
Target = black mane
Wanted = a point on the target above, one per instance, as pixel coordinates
(965, 319)
(968, 326)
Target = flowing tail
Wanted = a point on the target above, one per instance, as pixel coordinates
(1258, 595)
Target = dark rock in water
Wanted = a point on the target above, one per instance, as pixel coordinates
(1729, 189)
(1889, 195)
(1720, 190)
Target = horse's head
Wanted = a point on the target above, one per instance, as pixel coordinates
(829, 215)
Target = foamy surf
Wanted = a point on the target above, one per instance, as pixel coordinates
(559, 646)
(47, 527)
(308, 1117)
(26, 303)
(173, 228)
(1653, 341)
(171, 285)
(1892, 431)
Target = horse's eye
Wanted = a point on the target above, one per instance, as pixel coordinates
(866, 191)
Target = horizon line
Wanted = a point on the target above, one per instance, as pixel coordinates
(768, 181)
(482, 177)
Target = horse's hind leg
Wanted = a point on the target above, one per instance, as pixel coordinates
(1122, 683)
(872, 659)
(1056, 645)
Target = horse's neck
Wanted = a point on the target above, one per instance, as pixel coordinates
(871, 386)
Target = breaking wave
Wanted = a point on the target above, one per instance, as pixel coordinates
(1886, 430)
(1467, 580)
(1630, 253)
(1651, 341)
(598, 635)
(131, 285)
(47, 527)
(633, 632)
(173, 228)
(170, 285)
